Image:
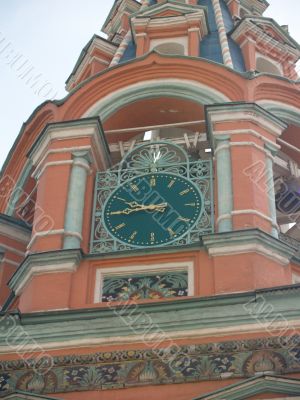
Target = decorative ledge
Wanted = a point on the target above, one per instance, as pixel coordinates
(182, 318)
(35, 264)
(14, 228)
(250, 240)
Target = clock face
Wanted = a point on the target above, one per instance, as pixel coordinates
(152, 209)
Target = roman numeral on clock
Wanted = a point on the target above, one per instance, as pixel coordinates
(152, 182)
(133, 235)
(171, 232)
(134, 188)
(171, 183)
(118, 227)
(183, 219)
(186, 191)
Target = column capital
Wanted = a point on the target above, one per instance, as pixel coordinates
(82, 159)
(222, 138)
(85, 154)
(273, 150)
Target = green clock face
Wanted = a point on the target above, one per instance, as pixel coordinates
(152, 210)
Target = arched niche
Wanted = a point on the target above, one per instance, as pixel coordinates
(158, 88)
(266, 65)
(170, 48)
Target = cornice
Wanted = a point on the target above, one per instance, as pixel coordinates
(14, 229)
(188, 14)
(43, 263)
(72, 129)
(191, 318)
(119, 8)
(169, 5)
(250, 240)
(96, 42)
(236, 111)
(247, 25)
(267, 21)
(260, 5)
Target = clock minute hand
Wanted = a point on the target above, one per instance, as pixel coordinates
(159, 207)
(136, 206)
(131, 204)
(125, 211)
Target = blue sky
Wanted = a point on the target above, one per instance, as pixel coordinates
(48, 35)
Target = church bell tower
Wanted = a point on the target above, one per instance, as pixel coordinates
(149, 226)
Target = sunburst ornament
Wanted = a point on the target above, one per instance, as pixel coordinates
(154, 157)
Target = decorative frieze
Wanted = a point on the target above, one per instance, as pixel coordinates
(123, 369)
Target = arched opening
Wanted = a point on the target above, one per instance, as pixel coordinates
(170, 48)
(265, 65)
(158, 119)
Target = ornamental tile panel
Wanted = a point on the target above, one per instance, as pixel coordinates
(121, 369)
(149, 286)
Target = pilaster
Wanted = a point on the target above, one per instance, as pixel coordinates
(224, 178)
(76, 197)
(234, 8)
(242, 136)
(44, 281)
(62, 173)
(270, 154)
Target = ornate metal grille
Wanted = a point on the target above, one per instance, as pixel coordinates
(160, 156)
(145, 286)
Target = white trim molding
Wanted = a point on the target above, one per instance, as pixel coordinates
(68, 131)
(184, 334)
(53, 233)
(14, 233)
(44, 269)
(295, 278)
(235, 249)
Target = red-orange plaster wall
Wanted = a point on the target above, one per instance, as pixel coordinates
(212, 275)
